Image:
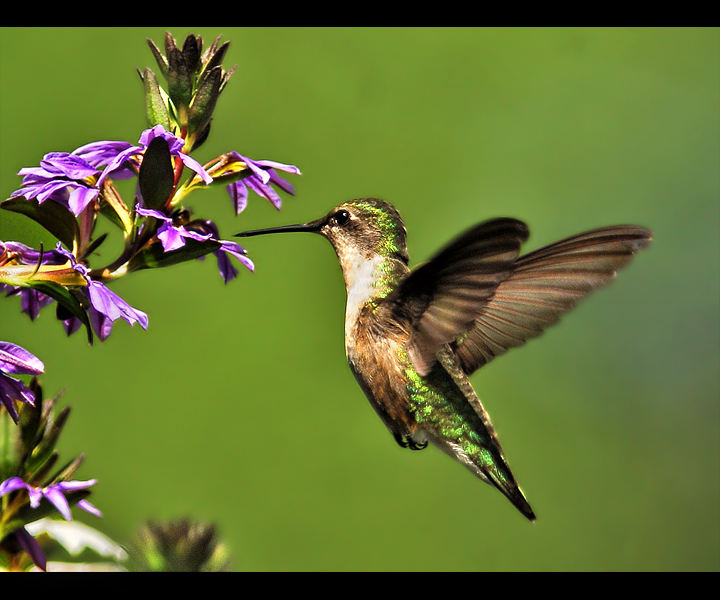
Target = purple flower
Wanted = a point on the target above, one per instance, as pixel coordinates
(107, 303)
(31, 301)
(260, 182)
(102, 152)
(170, 236)
(99, 154)
(55, 493)
(29, 256)
(18, 361)
(61, 177)
(227, 270)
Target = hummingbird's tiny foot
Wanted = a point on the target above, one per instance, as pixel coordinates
(407, 442)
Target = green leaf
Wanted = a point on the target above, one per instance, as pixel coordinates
(156, 177)
(156, 109)
(53, 216)
(153, 256)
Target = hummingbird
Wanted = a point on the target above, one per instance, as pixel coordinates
(413, 337)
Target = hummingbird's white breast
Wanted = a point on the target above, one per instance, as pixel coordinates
(361, 275)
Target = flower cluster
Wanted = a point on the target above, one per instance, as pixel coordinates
(67, 194)
(68, 191)
(27, 458)
(18, 361)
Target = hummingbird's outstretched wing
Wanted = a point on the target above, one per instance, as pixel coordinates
(442, 297)
(543, 285)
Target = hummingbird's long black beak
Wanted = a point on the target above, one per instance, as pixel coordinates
(313, 227)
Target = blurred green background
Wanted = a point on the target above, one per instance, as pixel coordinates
(237, 406)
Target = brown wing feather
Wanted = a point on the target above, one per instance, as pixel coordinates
(545, 284)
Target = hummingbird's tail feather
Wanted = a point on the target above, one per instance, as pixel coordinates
(475, 443)
(489, 464)
(512, 492)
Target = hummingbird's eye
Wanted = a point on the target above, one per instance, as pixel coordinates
(341, 217)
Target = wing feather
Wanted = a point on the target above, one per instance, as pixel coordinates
(545, 284)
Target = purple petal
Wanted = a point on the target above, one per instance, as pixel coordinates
(227, 269)
(14, 389)
(30, 256)
(7, 402)
(80, 197)
(67, 165)
(33, 549)
(254, 166)
(51, 189)
(74, 485)
(118, 162)
(89, 507)
(55, 496)
(264, 190)
(101, 324)
(276, 165)
(194, 165)
(17, 360)
(35, 496)
(101, 153)
(71, 325)
(149, 212)
(12, 484)
(113, 306)
(174, 143)
(194, 235)
(170, 237)
(239, 195)
(284, 185)
(31, 301)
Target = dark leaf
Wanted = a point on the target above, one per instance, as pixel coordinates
(156, 177)
(53, 216)
(191, 52)
(153, 256)
(161, 60)
(204, 101)
(215, 58)
(179, 77)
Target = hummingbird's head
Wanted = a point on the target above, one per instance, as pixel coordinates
(364, 227)
(367, 227)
